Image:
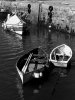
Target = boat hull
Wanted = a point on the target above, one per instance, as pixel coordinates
(28, 76)
(61, 55)
(59, 64)
(16, 29)
(14, 24)
(32, 65)
(24, 77)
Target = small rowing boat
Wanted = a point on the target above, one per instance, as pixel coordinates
(14, 24)
(61, 55)
(32, 65)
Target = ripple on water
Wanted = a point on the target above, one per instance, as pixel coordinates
(10, 50)
(13, 46)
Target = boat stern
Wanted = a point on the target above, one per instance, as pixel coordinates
(37, 74)
(60, 64)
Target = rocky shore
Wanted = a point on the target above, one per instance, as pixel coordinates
(63, 17)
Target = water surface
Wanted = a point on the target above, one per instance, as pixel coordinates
(12, 46)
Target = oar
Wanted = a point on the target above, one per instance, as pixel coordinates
(26, 64)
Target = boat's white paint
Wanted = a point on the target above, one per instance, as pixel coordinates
(14, 24)
(60, 64)
(19, 32)
(29, 70)
(20, 74)
(37, 75)
(64, 49)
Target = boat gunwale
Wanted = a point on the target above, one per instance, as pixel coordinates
(23, 56)
(60, 61)
(21, 74)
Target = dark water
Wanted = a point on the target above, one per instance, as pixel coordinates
(12, 46)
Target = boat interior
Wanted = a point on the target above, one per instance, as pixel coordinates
(59, 56)
(35, 60)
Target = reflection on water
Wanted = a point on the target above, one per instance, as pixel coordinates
(19, 87)
(10, 50)
(12, 46)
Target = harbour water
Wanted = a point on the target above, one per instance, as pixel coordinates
(12, 46)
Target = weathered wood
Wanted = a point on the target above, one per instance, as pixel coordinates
(63, 17)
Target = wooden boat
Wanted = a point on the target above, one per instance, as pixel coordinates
(32, 65)
(14, 24)
(61, 55)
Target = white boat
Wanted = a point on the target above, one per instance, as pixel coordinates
(61, 55)
(32, 65)
(14, 24)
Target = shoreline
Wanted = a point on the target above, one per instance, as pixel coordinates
(63, 12)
